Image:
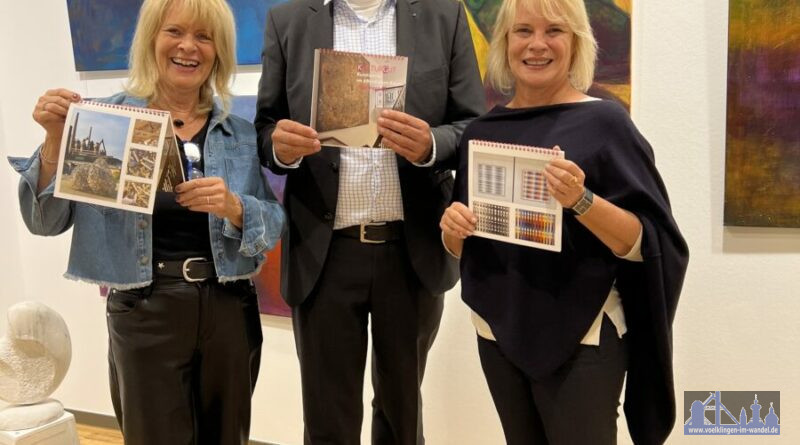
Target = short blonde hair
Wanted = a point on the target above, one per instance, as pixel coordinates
(572, 13)
(143, 78)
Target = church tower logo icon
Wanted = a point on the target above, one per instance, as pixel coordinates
(706, 414)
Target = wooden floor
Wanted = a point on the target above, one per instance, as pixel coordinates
(92, 435)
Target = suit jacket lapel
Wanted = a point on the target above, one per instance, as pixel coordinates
(320, 24)
(406, 17)
(406, 22)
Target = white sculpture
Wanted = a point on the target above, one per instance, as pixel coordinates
(34, 358)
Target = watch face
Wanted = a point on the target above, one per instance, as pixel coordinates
(583, 204)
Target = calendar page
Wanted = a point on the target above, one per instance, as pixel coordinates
(117, 156)
(509, 197)
(349, 92)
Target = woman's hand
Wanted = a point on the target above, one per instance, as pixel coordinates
(51, 110)
(51, 113)
(210, 195)
(458, 221)
(615, 227)
(564, 181)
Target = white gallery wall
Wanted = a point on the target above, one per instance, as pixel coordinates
(736, 327)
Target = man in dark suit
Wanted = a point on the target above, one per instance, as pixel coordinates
(363, 235)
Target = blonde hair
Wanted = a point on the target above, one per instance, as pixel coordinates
(143, 78)
(570, 12)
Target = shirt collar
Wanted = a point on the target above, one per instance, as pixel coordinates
(388, 2)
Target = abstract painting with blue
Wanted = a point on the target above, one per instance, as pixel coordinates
(102, 31)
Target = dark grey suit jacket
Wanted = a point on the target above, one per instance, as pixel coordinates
(444, 89)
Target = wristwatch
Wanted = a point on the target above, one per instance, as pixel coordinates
(583, 204)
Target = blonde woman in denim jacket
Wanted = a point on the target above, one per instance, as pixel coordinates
(184, 330)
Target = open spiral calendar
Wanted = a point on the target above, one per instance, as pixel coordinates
(117, 156)
(508, 194)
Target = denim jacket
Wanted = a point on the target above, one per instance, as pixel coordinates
(114, 247)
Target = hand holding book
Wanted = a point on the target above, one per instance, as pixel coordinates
(292, 140)
(408, 136)
(210, 195)
(51, 113)
(458, 222)
(564, 181)
(51, 110)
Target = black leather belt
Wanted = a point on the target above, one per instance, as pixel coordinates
(374, 233)
(190, 269)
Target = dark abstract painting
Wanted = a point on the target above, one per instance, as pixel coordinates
(762, 157)
(102, 31)
(611, 22)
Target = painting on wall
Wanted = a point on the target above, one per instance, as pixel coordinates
(268, 281)
(102, 31)
(611, 22)
(762, 156)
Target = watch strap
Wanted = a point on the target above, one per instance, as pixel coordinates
(583, 204)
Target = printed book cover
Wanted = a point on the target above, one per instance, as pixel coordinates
(508, 194)
(117, 156)
(349, 92)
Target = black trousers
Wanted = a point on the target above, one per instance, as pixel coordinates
(576, 405)
(365, 284)
(183, 361)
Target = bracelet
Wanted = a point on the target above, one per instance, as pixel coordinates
(44, 159)
(584, 203)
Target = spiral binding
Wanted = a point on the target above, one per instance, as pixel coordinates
(547, 152)
(125, 108)
(329, 51)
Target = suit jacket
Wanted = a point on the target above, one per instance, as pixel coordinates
(443, 88)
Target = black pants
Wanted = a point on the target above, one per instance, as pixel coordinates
(361, 281)
(576, 405)
(183, 361)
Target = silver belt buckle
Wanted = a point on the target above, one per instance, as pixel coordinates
(362, 231)
(185, 269)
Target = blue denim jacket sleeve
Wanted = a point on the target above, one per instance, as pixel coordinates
(263, 218)
(43, 213)
(263, 222)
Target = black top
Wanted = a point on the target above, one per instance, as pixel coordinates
(539, 304)
(179, 233)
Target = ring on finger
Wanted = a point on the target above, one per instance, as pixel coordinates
(208, 200)
(573, 181)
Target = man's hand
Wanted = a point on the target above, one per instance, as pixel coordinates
(408, 136)
(292, 140)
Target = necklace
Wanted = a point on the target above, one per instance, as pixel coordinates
(190, 118)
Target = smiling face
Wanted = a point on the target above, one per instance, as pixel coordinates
(539, 55)
(185, 52)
